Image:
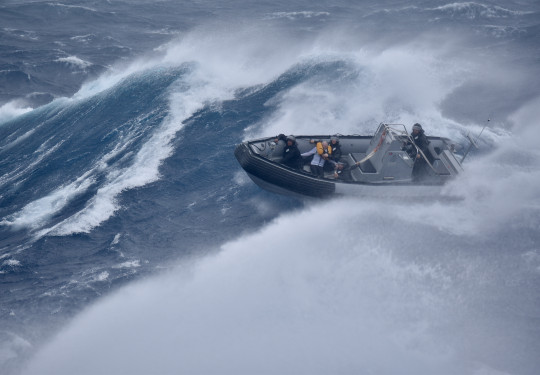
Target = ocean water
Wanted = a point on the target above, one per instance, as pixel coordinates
(131, 242)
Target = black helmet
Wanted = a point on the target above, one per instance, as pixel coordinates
(417, 126)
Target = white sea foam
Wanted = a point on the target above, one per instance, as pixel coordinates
(474, 10)
(11, 110)
(11, 263)
(83, 38)
(112, 77)
(297, 15)
(129, 264)
(75, 61)
(36, 213)
(18, 140)
(229, 64)
(60, 5)
(505, 31)
(102, 276)
(116, 239)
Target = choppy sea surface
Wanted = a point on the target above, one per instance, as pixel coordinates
(131, 242)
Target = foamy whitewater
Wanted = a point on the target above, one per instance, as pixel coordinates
(131, 242)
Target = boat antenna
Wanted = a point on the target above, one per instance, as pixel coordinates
(474, 142)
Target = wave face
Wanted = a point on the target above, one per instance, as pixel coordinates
(129, 233)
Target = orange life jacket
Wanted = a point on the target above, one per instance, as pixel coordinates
(321, 150)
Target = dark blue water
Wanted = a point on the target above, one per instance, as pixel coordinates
(132, 242)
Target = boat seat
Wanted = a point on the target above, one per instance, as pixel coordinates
(277, 154)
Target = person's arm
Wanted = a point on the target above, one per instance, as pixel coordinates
(310, 152)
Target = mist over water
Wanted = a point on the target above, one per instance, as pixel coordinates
(379, 294)
(257, 283)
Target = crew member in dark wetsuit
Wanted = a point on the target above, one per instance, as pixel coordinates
(420, 139)
(336, 149)
(335, 157)
(422, 143)
(291, 154)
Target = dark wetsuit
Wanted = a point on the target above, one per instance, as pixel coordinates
(340, 167)
(291, 156)
(421, 141)
(336, 152)
(420, 165)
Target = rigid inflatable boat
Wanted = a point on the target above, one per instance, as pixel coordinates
(380, 165)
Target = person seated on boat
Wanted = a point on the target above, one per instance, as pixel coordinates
(334, 160)
(336, 149)
(291, 154)
(321, 152)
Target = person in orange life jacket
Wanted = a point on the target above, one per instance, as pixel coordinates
(321, 152)
(291, 154)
